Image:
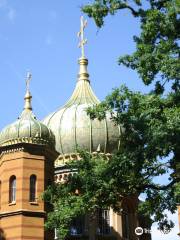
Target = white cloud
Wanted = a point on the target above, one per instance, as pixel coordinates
(3, 3)
(11, 14)
(49, 40)
(156, 234)
(52, 15)
(8, 10)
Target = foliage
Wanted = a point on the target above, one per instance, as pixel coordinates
(81, 193)
(151, 121)
(151, 126)
(66, 207)
(149, 148)
(157, 48)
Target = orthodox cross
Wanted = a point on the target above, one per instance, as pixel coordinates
(81, 35)
(28, 79)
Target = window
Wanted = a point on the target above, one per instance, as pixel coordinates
(55, 233)
(77, 226)
(32, 196)
(126, 223)
(103, 222)
(12, 189)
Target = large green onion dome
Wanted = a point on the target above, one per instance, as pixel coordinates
(72, 126)
(27, 129)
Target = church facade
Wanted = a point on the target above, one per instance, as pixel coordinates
(34, 153)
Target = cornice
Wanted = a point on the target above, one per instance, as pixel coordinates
(40, 214)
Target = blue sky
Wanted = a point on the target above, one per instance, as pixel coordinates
(41, 36)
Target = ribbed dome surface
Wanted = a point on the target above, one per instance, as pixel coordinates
(72, 126)
(27, 129)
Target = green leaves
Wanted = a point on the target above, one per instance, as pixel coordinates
(151, 126)
(87, 189)
(101, 8)
(149, 148)
(66, 206)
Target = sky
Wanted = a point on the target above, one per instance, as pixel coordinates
(41, 37)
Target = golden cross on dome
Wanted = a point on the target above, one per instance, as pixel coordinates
(28, 79)
(81, 35)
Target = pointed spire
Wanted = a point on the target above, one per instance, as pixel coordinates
(83, 61)
(83, 40)
(28, 97)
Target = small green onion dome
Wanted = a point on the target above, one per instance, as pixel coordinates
(27, 129)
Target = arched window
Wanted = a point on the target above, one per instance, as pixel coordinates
(12, 189)
(77, 226)
(32, 193)
(103, 221)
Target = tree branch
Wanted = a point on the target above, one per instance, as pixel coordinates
(124, 6)
(158, 187)
(151, 170)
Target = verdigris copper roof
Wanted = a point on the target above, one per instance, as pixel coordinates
(27, 129)
(72, 126)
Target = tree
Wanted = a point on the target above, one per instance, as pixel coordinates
(151, 123)
(149, 149)
(151, 132)
(84, 190)
(156, 60)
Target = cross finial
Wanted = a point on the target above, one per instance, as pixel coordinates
(28, 79)
(83, 41)
(27, 97)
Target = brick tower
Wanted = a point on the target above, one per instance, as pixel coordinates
(26, 168)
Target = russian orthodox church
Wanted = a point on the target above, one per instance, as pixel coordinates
(33, 153)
